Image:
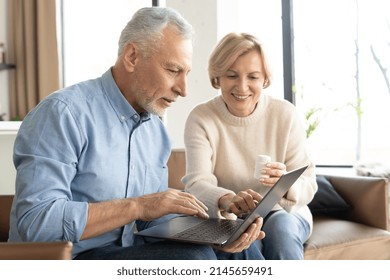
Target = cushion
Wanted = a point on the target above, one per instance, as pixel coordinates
(335, 239)
(327, 201)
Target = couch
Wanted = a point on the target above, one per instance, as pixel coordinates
(360, 231)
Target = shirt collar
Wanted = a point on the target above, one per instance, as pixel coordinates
(121, 106)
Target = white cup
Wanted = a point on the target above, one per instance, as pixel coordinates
(261, 161)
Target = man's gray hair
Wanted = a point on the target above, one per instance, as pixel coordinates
(146, 26)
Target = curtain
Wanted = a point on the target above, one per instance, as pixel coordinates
(32, 38)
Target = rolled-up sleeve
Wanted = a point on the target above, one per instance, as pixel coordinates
(75, 220)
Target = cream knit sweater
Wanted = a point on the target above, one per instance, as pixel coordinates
(221, 150)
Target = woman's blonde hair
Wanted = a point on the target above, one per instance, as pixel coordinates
(228, 50)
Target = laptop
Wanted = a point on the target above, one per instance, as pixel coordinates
(221, 232)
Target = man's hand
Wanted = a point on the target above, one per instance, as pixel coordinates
(152, 206)
(108, 215)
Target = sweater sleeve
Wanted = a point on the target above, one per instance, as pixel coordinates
(200, 179)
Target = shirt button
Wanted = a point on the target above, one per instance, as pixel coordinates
(123, 118)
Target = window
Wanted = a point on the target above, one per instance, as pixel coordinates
(341, 51)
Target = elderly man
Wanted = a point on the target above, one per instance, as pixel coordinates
(91, 159)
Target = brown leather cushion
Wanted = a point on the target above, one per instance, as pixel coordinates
(340, 239)
(36, 250)
(176, 169)
(5, 209)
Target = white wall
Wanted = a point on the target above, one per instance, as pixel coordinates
(204, 15)
(8, 132)
(199, 89)
(7, 173)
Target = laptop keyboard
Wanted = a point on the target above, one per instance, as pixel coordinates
(211, 230)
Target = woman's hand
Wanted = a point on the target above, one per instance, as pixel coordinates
(241, 203)
(252, 234)
(274, 170)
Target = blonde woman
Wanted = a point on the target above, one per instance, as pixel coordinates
(224, 135)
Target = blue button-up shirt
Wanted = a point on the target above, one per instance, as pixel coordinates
(84, 143)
